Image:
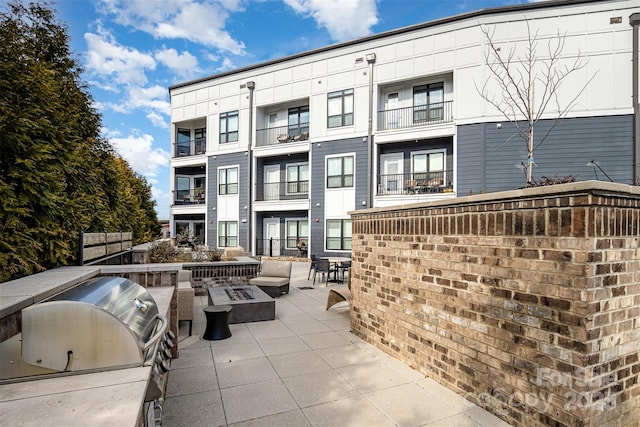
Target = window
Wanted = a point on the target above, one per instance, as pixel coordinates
(340, 108)
(428, 102)
(428, 168)
(201, 140)
(189, 232)
(297, 178)
(340, 172)
(297, 233)
(228, 127)
(183, 146)
(339, 234)
(183, 187)
(228, 181)
(298, 120)
(227, 234)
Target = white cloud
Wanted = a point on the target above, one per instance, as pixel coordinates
(227, 64)
(107, 58)
(153, 100)
(199, 21)
(157, 120)
(343, 19)
(137, 149)
(183, 64)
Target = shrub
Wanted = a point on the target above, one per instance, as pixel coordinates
(160, 252)
(545, 180)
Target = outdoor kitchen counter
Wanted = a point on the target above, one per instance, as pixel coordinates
(109, 398)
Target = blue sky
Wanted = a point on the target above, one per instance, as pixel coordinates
(133, 50)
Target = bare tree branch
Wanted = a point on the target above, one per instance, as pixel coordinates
(527, 85)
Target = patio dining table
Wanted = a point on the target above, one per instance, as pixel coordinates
(336, 262)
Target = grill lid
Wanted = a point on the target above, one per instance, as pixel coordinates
(103, 322)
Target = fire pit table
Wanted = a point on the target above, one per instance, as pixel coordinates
(250, 303)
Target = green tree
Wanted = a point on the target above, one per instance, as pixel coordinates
(58, 176)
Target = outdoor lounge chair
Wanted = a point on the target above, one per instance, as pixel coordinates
(338, 294)
(274, 277)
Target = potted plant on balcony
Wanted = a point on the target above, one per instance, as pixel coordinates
(302, 249)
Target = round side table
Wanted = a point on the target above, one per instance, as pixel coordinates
(217, 322)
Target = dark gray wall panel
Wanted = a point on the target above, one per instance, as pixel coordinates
(239, 159)
(487, 162)
(352, 145)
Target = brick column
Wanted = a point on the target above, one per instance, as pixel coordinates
(526, 302)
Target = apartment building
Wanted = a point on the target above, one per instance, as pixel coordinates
(273, 157)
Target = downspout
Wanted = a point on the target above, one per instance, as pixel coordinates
(634, 21)
(251, 86)
(371, 59)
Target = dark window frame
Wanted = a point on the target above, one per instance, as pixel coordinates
(345, 242)
(226, 187)
(345, 118)
(228, 136)
(345, 179)
(224, 238)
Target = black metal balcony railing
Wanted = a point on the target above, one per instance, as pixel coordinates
(185, 197)
(420, 115)
(282, 134)
(291, 190)
(190, 148)
(415, 183)
(282, 247)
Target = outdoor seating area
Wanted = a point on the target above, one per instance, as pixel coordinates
(304, 368)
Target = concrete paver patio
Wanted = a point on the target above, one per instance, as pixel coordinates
(303, 369)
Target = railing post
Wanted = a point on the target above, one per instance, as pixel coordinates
(271, 246)
(81, 250)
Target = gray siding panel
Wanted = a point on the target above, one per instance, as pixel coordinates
(317, 191)
(486, 162)
(239, 159)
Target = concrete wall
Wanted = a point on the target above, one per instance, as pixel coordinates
(525, 302)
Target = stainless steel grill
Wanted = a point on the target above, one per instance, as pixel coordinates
(105, 323)
(102, 323)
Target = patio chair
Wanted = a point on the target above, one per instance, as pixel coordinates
(343, 267)
(323, 266)
(186, 296)
(312, 266)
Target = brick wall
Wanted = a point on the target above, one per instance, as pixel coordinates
(525, 302)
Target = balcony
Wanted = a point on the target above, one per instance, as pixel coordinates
(415, 183)
(185, 197)
(291, 190)
(421, 115)
(282, 135)
(290, 247)
(193, 147)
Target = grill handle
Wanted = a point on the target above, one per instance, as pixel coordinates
(159, 334)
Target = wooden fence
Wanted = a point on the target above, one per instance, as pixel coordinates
(105, 248)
